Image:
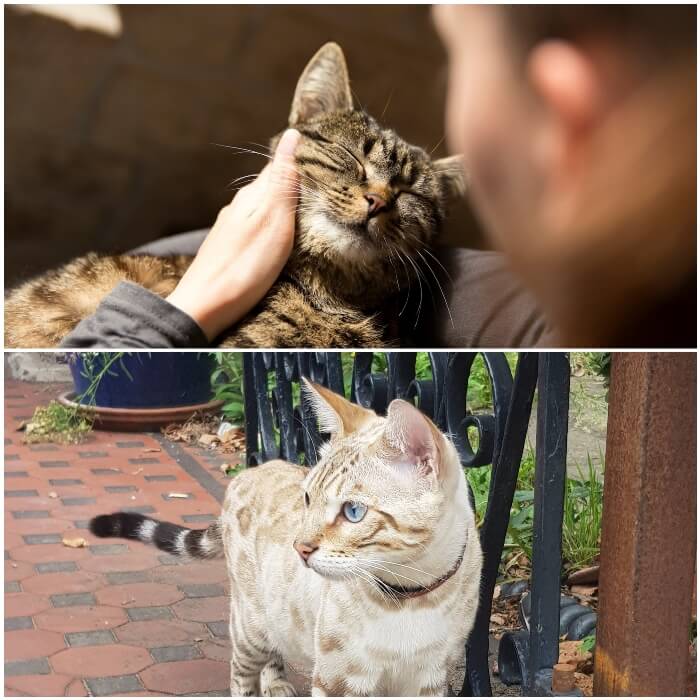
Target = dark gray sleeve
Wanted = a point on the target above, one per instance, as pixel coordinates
(132, 317)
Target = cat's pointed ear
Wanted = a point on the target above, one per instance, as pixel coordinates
(336, 415)
(450, 173)
(324, 86)
(412, 442)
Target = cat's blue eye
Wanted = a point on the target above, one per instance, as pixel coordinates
(354, 512)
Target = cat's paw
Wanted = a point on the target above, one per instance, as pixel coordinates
(279, 688)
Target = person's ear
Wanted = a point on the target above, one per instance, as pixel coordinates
(567, 82)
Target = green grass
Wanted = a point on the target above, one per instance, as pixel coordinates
(227, 384)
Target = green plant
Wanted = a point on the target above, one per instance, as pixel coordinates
(588, 643)
(583, 514)
(58, 423)
(96, 365)
(227, 384)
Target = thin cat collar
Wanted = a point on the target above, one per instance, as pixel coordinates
(423, 590)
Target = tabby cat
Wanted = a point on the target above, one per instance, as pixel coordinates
(361, 574)
(369, 206)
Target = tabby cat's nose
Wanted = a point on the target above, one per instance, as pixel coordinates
(376, 203)
(305, 550)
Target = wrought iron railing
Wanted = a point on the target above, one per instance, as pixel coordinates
(280, 425)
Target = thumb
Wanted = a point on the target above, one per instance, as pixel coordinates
(283, 174)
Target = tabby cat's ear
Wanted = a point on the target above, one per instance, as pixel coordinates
(412, 441)
(450, 173)
(324, 86)
(336, 415)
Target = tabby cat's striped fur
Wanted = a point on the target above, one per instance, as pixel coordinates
(346, 263)
(379, 605)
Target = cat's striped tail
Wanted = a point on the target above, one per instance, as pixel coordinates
(177, 540)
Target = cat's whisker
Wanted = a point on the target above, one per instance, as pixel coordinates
(393, 563)
(437, 281)
(397, 575)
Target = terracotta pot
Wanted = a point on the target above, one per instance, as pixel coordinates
(138, 419)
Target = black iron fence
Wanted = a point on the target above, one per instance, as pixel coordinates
(280, 425)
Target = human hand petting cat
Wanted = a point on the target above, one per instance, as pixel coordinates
(246, 249)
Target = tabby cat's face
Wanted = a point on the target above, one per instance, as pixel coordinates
(378, 493)
(364, 193)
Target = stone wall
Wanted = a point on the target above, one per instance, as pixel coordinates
(109, 134)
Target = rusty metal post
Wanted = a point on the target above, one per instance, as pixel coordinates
(649, 526)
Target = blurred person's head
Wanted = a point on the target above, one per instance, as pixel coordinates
(578, 127)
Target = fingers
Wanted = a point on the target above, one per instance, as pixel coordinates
(281, 176)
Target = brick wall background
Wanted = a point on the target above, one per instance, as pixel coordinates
(108, 136)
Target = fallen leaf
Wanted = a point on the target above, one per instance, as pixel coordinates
(178, 495)
(589, 575)
(223, 468)
(138, 471)
(199, 639)
(151, 449)
(53, 494)
(207, 439)
(496, 592)
(75, 542)
(584, 590)
(497, 619)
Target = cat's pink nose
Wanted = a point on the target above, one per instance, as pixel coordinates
(376, 203)
(305, 550)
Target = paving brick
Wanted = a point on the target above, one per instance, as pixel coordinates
(153, 633)
(178, 653)
(65, 482)
(43, 448)
(144, 460)
(92, 454)
(21, 645)
(37, 553)
(120, 489)
(53, 463)
(129, 443)
(199, 518)
(218, 628)
(114, 685)
(49, 538)
(161, 477)
(185, 677)
(91, 638)
(64, 581)
(65, 600)
(106, 471)
(18, 623)
(11, 458)
(46, 686)
(100, 549)
(12, 587)
(203, 590)
(118, 578)
(53, 567)
(27, 668)
(169, 560)
(202, 609)
(29, 514)
(140, 595)
(101, 660)
(21, 493)
(78, 501)
(20, 604)
(81, 618)
(139, 509)
(155, 612)
(15, 475)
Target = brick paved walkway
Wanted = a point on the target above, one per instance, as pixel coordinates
(114, 618)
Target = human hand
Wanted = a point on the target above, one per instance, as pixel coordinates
(246, 249)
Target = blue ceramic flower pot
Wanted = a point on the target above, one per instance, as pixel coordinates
(145, 380)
